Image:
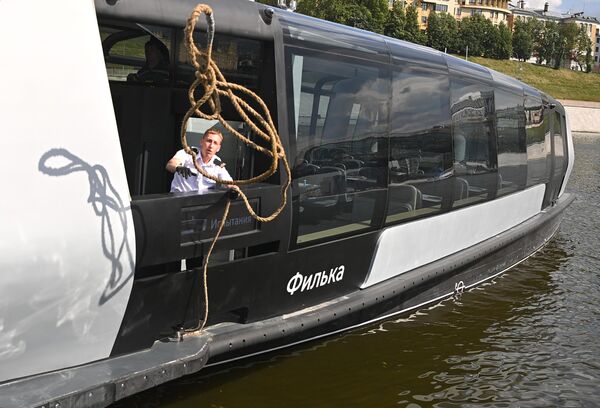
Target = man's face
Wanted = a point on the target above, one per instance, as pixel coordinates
(210, 145)
(152, 56)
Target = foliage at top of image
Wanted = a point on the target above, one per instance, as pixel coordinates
(551, 42)
(490, 45)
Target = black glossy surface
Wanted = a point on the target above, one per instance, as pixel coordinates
(340, 144)
(236, 17)
(474, 139)
(538, 139)
(460, 67)
(333, 38)
(420, 141)
(512, 153)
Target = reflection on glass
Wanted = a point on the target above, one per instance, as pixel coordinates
(125, 51)
(474, 139)
(537, 127)
(339, 174)
(560, 164)
(239, 59)
(512, 155)
(420, 164)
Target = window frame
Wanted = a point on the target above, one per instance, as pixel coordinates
(378, 216)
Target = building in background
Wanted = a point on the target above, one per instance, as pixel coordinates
(495, 10)
(591, 25)
(502, 11)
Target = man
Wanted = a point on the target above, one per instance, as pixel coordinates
(156, 67)
(186, 177)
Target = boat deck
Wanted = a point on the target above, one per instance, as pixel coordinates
(101, 383)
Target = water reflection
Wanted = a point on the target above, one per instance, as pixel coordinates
(527, 339)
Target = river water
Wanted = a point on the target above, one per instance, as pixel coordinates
(530, 338)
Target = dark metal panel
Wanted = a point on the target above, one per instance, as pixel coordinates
(461, 67)
(245, 290)
(101, 383)
(441, 279)
(282, 117)
(531, 91)
(308, 32)
(507, 82)
(403, 51)
(171, 227)
(234, 17)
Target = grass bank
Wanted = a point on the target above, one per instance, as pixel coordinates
(561, 84)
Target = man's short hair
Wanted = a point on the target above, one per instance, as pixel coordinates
(215, 131)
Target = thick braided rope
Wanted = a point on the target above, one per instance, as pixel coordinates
(215, 85)
(205, 266)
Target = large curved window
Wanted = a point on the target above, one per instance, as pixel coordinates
(474, 138)
(537, 125)
(512, 154)
(420, 143)
(338, 110)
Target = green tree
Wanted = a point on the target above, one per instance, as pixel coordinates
(442, 31)
(450, 28)
(566, 43)
(325, 9)
(395, 22)
(358, 16)
(547, 41)
(411, 26)
(472, 31)
(583, 50)
(379, 12)
(522, 41)
(267, 2)
(536, 28)
(434, 31)
(503, 48)
(588, 60)
(490, 39)
(366, 14)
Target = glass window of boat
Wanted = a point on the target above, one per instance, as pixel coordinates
(560, 164)
(129, 51)
(474, 140)
(338, 115)
(512, 154)
(239, 59)
(149, 108)
(537, 128)
(242, 61)
(420, 163)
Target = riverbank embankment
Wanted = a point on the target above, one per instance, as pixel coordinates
(583, 116)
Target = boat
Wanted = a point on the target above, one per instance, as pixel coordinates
(415, 176)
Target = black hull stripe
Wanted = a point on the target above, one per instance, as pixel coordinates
(395, 296)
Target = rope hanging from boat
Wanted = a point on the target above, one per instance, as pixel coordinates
(214, 85)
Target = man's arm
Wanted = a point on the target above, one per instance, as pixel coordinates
(176, 165)
(224, 175)
(173, 164)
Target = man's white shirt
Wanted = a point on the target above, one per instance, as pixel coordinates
(198, 182)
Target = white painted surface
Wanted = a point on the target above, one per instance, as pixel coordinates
(409, 246)
(67, 250)
(570, 151)
(584, 118)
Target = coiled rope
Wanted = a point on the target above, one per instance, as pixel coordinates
(214, 85)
